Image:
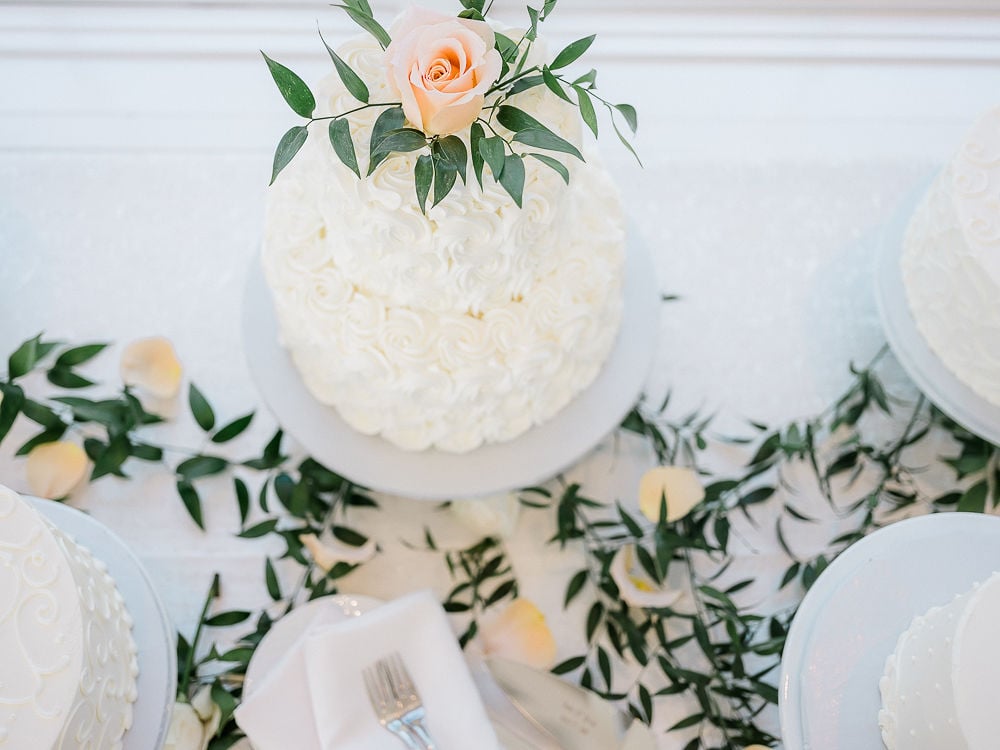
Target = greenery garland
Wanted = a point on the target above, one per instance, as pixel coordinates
(862, 454)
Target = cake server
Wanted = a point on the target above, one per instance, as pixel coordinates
(576, 718)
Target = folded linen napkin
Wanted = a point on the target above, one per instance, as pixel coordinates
(316, 699)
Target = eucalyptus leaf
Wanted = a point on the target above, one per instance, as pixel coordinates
(548, 140)
(400, 140)
(390, 119)
(554, 86)
(445, 175)
(79, 354)
(586, 105)
(289, 145)
(452, 149)
(512, 177)
(200, 408)
(343, 144)
(531, 132)
(553, 164)
(629, 113)
(64, 377)
(200, 466)
(506, 46)
(351, 80)
(423, 176)
(233, 429)
(111, 458)
(572, 52)
(366, 21)
(492, 150)
(24, 358)
(48, 435)
(10, 407)
(293, 89)
(476, 137)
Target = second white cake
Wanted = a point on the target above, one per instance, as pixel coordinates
(938, 690)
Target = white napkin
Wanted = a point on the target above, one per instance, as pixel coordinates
(316, 699)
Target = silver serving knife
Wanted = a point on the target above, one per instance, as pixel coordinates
(576, 718)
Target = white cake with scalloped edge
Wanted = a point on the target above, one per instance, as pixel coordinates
(464, 326)
(68, 662)
(939, 687)
(951, 261)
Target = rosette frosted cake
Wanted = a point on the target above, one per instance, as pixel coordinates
(938, 687)
(461, 324)
(951, 261)
(67, 658)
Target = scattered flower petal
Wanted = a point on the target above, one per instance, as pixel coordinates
(635, 586)
(152, 364)
(679, 484)
(495, 515)
(209, 713)
(520, 634)
(54, 469)
(186, 731)
(328, 554)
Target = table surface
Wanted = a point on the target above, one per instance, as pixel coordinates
(777, 138)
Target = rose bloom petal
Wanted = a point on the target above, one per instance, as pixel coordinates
(459, 52)
(495, 515)
(328, 554)
(54, 469)
(681, 486)
(635, 586)
(186, 731)
(152, 364)
(520, 634)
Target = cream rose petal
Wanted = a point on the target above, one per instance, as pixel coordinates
(54, 469)
(495, 515)
(152, 364)
(680, 485)
(520, 634)
(328, 554)
(635, 586)
(186, 731)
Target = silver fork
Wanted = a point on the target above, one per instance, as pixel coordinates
(386, 706)
(401, 687)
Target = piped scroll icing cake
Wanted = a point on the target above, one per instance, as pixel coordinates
(464, 325)
(67, 657)
(951, 261)
(937, 690)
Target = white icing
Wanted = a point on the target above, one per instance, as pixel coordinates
(68, 677)
(936, 689)
(951, 261)
(464, 326)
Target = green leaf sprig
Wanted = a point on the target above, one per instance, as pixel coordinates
(501, 137)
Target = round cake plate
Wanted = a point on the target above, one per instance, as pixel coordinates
(153, 632)
(926, 369)
(530, 459)
(850, 620)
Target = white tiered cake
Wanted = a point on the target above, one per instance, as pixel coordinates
(937, 690)
(67, 658)
(464, 326)
(951, 261)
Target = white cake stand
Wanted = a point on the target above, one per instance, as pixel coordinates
(851, 618)
(926, 369)
(152, 631)
(534, 457)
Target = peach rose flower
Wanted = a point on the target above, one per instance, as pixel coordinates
(442, 67)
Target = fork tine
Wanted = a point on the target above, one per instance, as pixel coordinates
(401, 674)
(372, 688)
